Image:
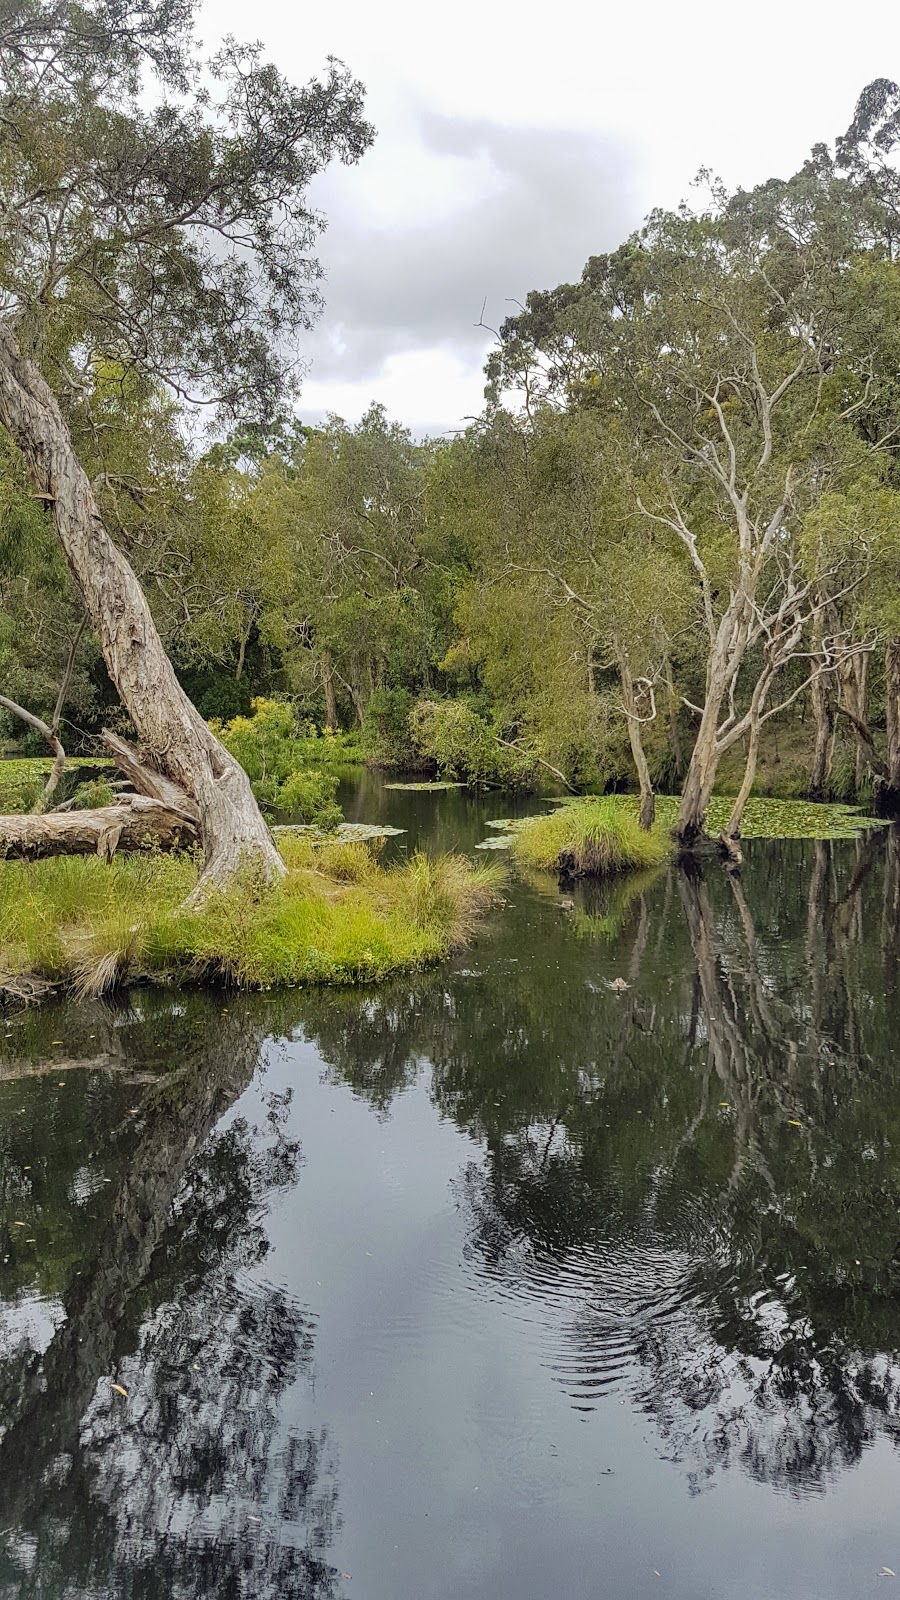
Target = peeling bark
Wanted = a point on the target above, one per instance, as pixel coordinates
(232, 829)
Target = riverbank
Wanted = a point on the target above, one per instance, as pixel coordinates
(87, 926)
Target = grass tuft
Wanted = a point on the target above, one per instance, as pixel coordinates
(595, 837)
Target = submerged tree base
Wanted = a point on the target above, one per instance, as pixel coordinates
(338, 916)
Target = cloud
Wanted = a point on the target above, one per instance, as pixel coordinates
(480, 213)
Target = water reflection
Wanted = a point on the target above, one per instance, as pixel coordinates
(675, 1170)
(189, 1483)
(687, 1100)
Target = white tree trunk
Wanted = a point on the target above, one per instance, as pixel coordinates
(174, 735)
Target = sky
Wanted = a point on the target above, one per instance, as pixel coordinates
(514, 142)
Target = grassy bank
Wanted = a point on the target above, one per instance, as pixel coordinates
(339, 917)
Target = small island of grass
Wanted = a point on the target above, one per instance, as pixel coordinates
(339, 916)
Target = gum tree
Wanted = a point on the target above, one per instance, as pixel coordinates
(155, 214)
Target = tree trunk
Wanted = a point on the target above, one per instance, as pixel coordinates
(134, 823)
(888, 792)
(647, 812)
(724, 661)
(732, 830)
(824, 720)
(331, 711)
(172, 731)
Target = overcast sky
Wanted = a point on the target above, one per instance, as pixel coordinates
(514, 142)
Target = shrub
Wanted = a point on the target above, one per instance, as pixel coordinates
(590, 838)
(464, 746)
(285, 763)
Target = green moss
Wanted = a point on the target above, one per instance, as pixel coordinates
(594, 837)
(338, 917)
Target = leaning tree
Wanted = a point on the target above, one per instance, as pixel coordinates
(155, 216)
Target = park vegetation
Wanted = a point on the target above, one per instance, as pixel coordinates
(664, 559)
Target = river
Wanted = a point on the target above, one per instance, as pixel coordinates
(570, 1268)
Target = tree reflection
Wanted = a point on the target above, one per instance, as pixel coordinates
(195, 1484)
(694, 1180)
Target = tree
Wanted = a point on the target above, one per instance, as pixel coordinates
(174, 239)
(721, 350)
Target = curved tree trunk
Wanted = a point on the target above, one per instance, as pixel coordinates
(52, 738)
(647, 812)
(173, 733)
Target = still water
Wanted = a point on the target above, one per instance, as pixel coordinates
(506, 1280)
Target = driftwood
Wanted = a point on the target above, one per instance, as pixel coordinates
(134, 823)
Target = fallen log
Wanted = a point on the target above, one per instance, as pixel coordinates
(134, 823)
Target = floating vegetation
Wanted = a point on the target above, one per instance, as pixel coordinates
(764, 818)
(424, 788)
(501, 842)
(360, 832)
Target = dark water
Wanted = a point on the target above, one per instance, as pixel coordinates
(500, 1282)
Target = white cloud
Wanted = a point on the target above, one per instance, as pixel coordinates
(513, 143)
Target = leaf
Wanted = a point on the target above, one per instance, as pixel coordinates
(793, 1123)
(119, 1390)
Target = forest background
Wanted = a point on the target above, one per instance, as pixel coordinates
(665, 557)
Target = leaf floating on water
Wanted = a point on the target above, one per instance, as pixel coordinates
(793, 1123)
(725, 1105)
(56, 1041)
(119, 1390)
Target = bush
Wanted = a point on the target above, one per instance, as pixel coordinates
(590, 838)
(464, 746)
(285, 764)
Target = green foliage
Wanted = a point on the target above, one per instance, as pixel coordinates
(96, 793)
(22, 781)
(595, 837)
(338, 917)
(387, 740)
(285, 765)
(463, 745)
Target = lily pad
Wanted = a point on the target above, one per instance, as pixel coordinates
(501, 842)
(423, 788)
(347, 831)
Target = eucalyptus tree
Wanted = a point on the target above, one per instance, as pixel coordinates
(155, 214)
(713, 347)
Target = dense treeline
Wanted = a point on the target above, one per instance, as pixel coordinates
(666, 555)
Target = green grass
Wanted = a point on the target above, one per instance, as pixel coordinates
(339, 916)
(595, 837)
